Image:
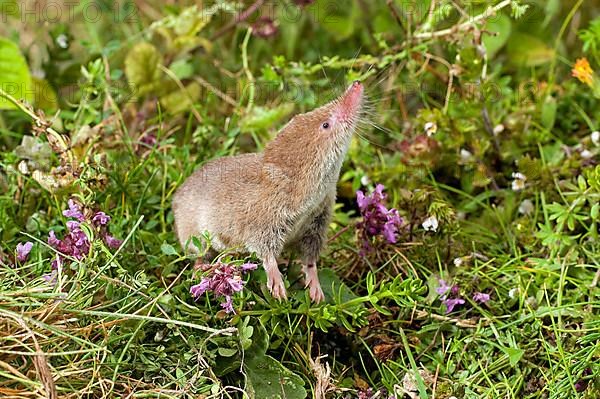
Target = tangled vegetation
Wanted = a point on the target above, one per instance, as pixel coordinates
(463, 258)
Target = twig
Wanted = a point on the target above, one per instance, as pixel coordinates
(339, 233)
(240, 18)
(397, 17)
(41, 123)
(217, 92)
(490, 11)
(171, 75)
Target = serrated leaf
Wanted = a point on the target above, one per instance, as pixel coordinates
(142, 68)
(15, 78)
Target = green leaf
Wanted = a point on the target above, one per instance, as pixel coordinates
(595, 211)
(15, 78)
(227, 352)
(514, 355)
(528, 50)
(45, 96)
(501, 27)
(337, 17)
(332, 285)
(142, 68)
(168, 249)
(269, 379)
(548, 117)
(9, 7)
(181, 100)
(182, 68)
(263, 118)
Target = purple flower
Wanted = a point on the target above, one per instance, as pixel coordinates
(443, 288)
(246, 267)
(101, 219)
(481, 297)
(449, 295)
(451, 303)
(377, 219)
(51, 277)
(224, 280)
(75, 243)
(199, 289)
(582, 384)
(72, 225)
(149, 139)
(23, 251)
(52, 240)
(74, 211)
(236, 283)
(112, 242)
(228, 304)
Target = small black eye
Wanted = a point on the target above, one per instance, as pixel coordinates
(325, 125)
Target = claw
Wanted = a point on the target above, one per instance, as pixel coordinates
(276, 285)
(312, 283)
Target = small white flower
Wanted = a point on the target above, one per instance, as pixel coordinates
(23, 168)
(596, 138)
(586, 154)
(430, 224)
(458, 262)
(499, 128)
(62, 41)
(518, 183)
(513, 292)
(465, 155)
(365, 180)
(430, 128)
(526, 207)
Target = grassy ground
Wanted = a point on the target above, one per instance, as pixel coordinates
(486, 146)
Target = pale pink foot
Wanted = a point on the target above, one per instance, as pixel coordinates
(275, 282)
(312, 283)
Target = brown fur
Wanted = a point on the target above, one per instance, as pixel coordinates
(280, 198)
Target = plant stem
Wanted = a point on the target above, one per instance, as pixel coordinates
(41, 123)
(490, 11)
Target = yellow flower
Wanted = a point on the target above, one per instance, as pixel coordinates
(583, 71)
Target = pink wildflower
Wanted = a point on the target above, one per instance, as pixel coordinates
(101, 219)
(224, 280)
(23, 251)
(449, 295)
(481, 297)
(377, 219)
(75, 243)
(74, 211)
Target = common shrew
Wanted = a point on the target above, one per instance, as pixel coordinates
(281, 198)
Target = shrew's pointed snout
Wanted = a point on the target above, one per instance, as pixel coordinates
(349, 104)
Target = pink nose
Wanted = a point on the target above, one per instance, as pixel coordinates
(356, 84)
